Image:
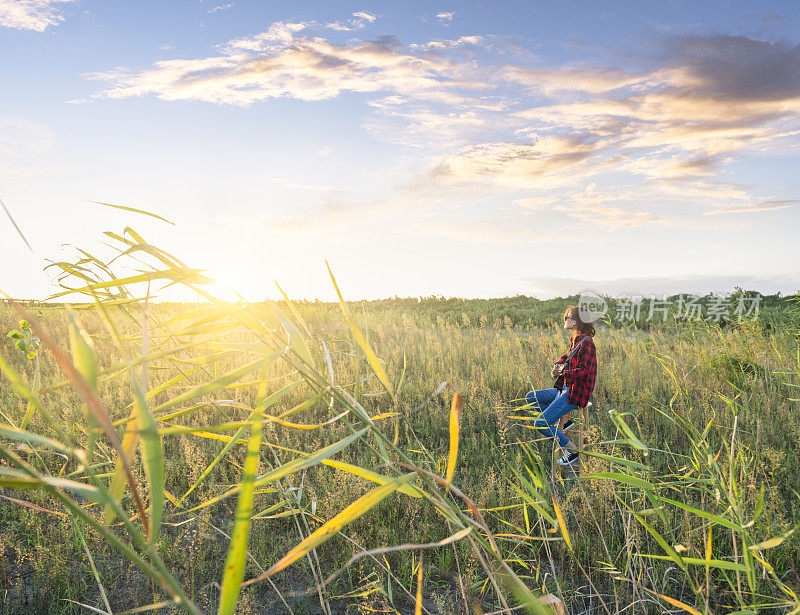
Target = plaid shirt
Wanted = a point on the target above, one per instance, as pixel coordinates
(581, 371)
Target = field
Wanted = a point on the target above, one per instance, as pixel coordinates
(268, 442)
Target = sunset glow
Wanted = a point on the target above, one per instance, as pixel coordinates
(455, 150)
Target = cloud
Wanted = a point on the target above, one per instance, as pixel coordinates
(444, 17)
(397, 121)
(547, 162)
(755, 207)
(222, 7)
(438, 43)
(31, 14)
(359, 21)
(365, 16)
(611, 209)
(278, 63)
(669, 121)
(709, 96)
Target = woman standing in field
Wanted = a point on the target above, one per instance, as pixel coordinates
(578, 367)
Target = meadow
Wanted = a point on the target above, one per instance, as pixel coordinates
(308, 458)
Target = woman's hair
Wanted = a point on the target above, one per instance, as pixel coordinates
(586, 328)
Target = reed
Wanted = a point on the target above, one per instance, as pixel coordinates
(237, 457)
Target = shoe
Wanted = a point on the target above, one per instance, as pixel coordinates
(569, 458)
(569, 425)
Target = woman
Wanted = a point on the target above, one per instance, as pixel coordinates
(579, 368)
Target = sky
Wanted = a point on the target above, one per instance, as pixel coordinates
(470, 149)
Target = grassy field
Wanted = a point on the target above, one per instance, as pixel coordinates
(249, 428)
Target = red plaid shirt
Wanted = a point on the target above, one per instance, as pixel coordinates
(581, 371)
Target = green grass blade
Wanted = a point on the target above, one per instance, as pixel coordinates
(237, 552)
(634, 481)
(291, 467)
(214, 385)
(380, 479)
(562, 524)
(32, 438)
(706, 515)
(36, 386)
(137, 211)
(372, 359)
(713, 563)
(348, 515)
(295, 339)
(83, 354)
(455, 428)
(618, 460)
(673, 555)
(152, 459)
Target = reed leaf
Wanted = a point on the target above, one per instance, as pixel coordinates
(673, 555)
(136, 211)
(679, 604)
(295, 339)
(332, 527)
(418, 603)
(771, 543)
(373, 361)
(17, 479)
(702, 513)
(380, 479)
(634, 481)
(562, 524)
(217, 384)
(152, 459)
(713, 563)
(455, 425)
(237, 552)
(291, 467)
(83, 354)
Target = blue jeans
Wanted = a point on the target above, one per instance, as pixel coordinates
(553, 405)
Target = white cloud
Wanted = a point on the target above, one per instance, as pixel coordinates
(547, 162)
(755, 207)
(445, 17)
(221, 7)
(358, 21)
(671, 127)
(278, 63)
(365, 16)
(610, 208)
(31, 14)
(449, 44)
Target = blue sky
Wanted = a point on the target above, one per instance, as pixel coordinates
(464, 149)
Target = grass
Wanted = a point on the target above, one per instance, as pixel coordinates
(305, 457)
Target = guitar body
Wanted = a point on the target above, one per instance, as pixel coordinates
(559, 383)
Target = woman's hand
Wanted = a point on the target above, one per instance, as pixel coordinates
(554, 371)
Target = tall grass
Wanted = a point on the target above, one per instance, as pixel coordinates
(233, 457)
